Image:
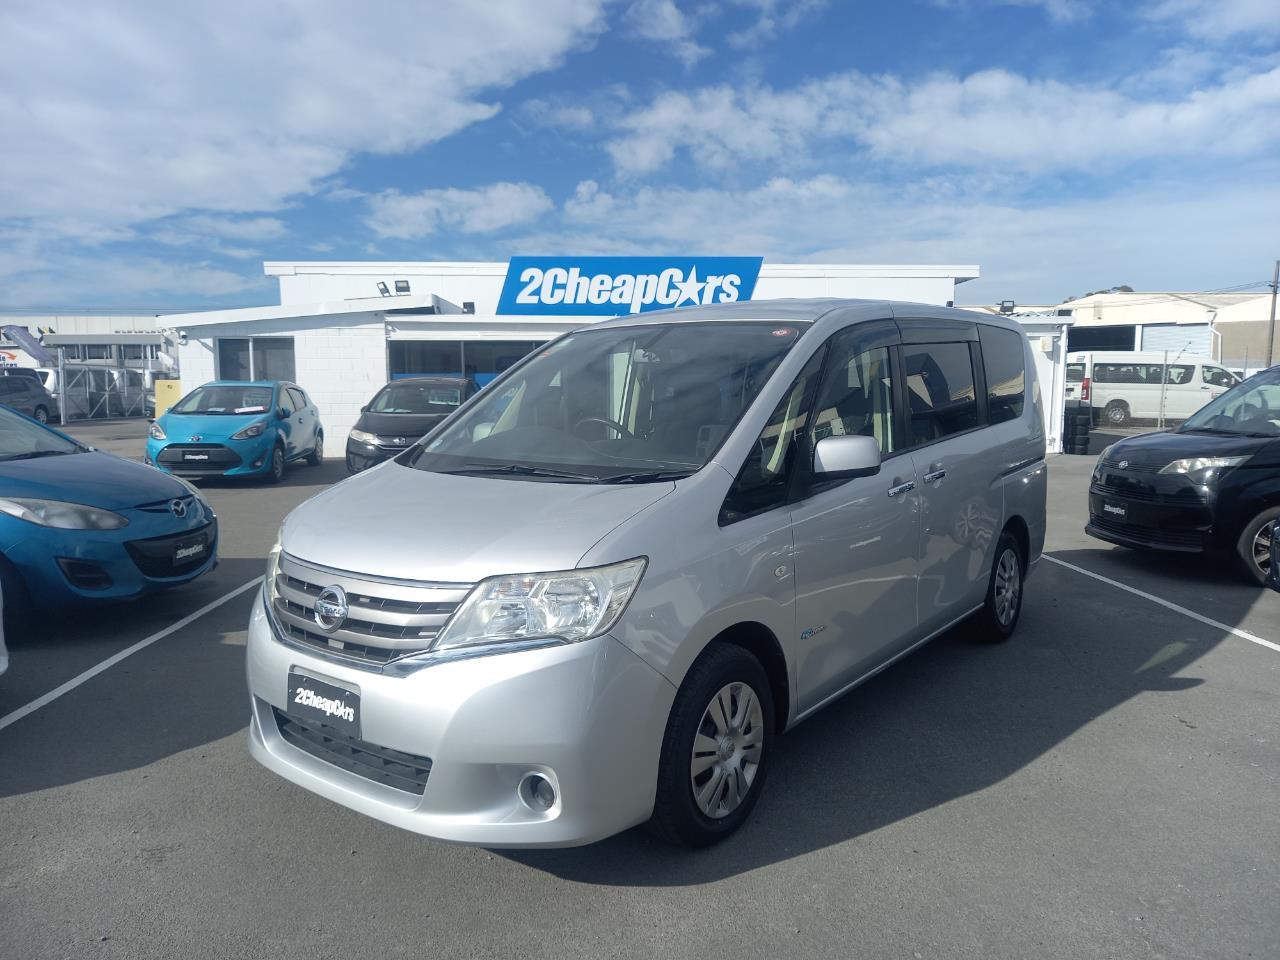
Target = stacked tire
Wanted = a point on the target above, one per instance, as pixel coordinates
(1076, 423)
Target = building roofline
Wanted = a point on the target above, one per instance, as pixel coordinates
(286, 268)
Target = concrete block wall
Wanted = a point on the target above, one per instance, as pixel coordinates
(341, 361)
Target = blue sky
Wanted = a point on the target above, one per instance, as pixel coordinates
(155, 155)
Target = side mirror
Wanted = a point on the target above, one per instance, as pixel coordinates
(365, 408)
(843, 458)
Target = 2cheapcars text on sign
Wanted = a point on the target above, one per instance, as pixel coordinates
(609, 286)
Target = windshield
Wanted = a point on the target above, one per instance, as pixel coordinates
(620, 404)
(21, 439)
(229, 400)
(1251, 408)
(414, 396)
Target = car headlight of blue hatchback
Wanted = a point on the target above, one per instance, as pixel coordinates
(251, 431)
(61, 514)
(155, 431)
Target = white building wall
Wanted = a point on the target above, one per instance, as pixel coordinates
(340, 360)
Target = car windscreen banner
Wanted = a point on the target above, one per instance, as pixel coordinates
(610, 286)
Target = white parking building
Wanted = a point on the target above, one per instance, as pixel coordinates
(342, 330)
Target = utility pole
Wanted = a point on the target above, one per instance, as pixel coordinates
(1271, 327)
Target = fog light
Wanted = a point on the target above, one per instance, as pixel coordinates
(537, 792)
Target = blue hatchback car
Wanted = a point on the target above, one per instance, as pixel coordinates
(77, 524)
(237, 428)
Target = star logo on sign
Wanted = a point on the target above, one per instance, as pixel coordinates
(690, 289)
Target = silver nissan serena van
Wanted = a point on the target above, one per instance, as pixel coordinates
(597, 592)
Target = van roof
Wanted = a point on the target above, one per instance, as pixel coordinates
(801, 311)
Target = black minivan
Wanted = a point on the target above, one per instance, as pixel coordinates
(400, 414)
(1213, 484)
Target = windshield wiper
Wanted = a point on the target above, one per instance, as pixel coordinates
(649, 476)
(523, 470)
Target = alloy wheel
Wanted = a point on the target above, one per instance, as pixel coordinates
(1008, 587)
(727, 750)
(1262, 547)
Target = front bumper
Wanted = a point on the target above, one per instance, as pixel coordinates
(221, 458)
(362, 456)
(588, 716)
(134, 561)
(1176, 524)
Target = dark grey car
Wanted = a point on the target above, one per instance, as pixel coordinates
(26, 395)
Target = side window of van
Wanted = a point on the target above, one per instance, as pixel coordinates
(1004, 363)
(1218, 377)
(940, 390)
(857, 398)
(1075, 372)
(762, 482)
(1178, 373)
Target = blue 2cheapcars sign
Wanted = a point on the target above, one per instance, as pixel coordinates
(609, 286)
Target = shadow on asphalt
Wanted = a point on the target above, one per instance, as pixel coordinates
(298, 474)
(194, 693)
(952, 719)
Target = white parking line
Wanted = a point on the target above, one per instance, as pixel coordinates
(1234, 631)
(112, 660)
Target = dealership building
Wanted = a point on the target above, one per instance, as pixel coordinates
(341, 330)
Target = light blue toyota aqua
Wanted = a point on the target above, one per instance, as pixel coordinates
(80, 525)
(238, 428)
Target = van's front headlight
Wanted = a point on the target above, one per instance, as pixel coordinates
(565, 606)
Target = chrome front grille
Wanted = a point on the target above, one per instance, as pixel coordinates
(386, 619)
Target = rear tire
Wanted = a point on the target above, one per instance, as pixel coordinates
(716, 750)
(1116, 413)
(275, 472)
(999, 616)
(1253, 549)
(40, 415)
(316, 456)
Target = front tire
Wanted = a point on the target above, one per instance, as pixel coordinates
(716, 750)
(1000, 613)
(275, 473)
(1253, 549)
(40, 415)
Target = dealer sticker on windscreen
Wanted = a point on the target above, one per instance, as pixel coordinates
(320, 702)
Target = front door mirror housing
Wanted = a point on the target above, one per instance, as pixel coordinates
(843, 458)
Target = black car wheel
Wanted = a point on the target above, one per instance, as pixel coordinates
(276, 473)
(1253, 549)
(316, 456)
(716, 750)
(40, 415)
(999, 615)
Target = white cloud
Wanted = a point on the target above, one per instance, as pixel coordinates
(664, 23)
(994, 120)
(483, 210)
(118, 114)
(1206, 237)
(1219, 19)
(1060, 11)
(560, 116)
(773, 16)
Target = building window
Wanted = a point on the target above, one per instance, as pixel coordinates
(255, 358)
(97, 351)
(481, 360)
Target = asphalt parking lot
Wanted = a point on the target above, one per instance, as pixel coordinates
(1105, 785)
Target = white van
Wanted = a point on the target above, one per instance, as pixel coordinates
(1124, 385)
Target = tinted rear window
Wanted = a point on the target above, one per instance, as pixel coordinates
(1002, 360)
